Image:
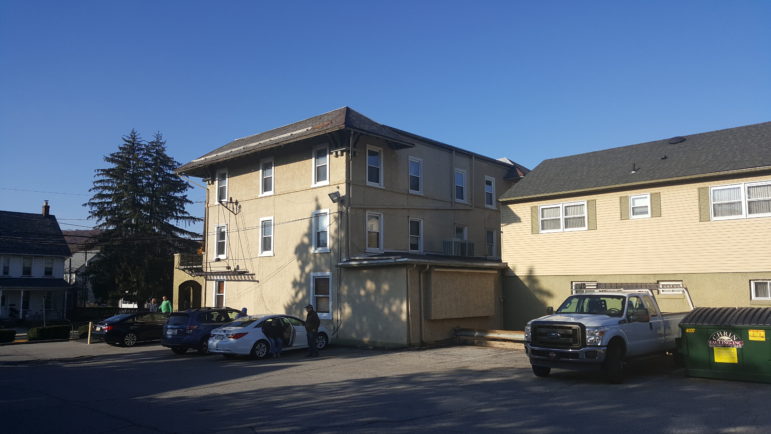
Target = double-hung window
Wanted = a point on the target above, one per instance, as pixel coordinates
(490, 248)
(563, 217)
(374, 166)
(266, 236)
(48, 267)
(266, 177)
(461, 232)
(222, 186)
(321, 294)
(416, 235)
(374, 232)
(219, 293)
(760, 290)
(416, 175)
(6, 265)
(490, 192)
(321, 231)
(222, 239)
(741, 200)
(26, 266)
(320, 165)
(640, 206)
(460, 185)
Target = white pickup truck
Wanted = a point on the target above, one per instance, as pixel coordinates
(601, 329)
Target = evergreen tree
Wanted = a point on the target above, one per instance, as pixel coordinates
(137, 202)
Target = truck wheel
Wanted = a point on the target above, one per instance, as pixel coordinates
(541, 371)
(614, 364)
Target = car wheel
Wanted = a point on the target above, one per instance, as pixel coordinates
(614, 364)
(204, 347)
(179, 350)
(260, 349)
(129, 339)
(541, 371)
(322, 341)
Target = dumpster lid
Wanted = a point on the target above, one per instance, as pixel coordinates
(728, 316)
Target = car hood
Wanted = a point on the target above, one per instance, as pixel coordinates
(588, 320)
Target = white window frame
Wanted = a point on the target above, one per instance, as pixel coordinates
(215, 294)
(647, 198)
(464, 186)
(380, 234)
(217, 241)
(492, 204)
(264, 252)
(494, 244)
(328, 276)
(752, 290)
(420, 177)
(419, 236)
(561, 207)
(314, 181)
(382, 166)
(24, 261)
(315, 219)
(48, 267)
(743, 198)
(218, 197)
(464, 230)
(5, 269)
(272, 177)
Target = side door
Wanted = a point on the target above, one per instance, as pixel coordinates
(139, 326)
(665, 335)
(297, 329)
(642, 336)
(155, 324)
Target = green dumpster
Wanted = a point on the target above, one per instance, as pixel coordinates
(727, 343)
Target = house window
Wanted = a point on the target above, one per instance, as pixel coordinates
(640, 206)
(760, 290)
(321, 299)
(416, 175)
(219, 293)
(563, 217)
(321, 231)
(26, 266)
(374, 232)
(460, 185)
(490, 244)
(6, 265)
(266, 177)
(48, 268)
(741, 201)
(266, 236)
(759, 200)
(222, 238)
(222, 186)
(321, 166)
(416, 235)
(461, 232)
(374, 167)
(489, 192)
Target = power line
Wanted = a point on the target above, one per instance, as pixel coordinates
(40, 191)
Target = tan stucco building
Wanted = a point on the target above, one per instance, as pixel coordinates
(694, 210)
(393, 237)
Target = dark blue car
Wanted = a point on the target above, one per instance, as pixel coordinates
(191, 328)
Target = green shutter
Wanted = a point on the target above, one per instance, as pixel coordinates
(591, 214)
(535, 224)
(624, 206)
(704, 214)
(655, 204)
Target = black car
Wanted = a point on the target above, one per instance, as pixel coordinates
(191, 328)
(129, 328)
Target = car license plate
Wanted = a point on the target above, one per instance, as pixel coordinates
(171, 332)
(218, 337)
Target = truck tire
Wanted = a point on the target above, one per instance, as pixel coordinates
(541, 371)
(613, 368)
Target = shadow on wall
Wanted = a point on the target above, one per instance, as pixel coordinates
(523, 299)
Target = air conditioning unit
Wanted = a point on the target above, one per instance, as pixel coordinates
(458, 248)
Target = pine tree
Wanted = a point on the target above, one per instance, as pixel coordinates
(137, 202)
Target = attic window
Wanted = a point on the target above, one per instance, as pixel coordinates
(676, 140)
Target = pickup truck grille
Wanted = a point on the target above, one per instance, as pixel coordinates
(557, 335)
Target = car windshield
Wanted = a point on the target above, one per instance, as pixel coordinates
(611, 305)
(118, 318)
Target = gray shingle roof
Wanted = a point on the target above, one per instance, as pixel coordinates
(711, 153)
(31, 234)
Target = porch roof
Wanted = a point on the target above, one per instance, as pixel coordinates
(28, 283)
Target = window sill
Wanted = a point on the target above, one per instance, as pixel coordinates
(320, 184)
(324, 250)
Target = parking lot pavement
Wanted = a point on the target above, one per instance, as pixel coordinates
(61, 351)
(453, 389)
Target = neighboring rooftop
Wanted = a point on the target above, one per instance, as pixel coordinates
(31, 234)
(77, 239)
(692, 156)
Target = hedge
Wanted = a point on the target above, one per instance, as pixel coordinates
(49, 332)
(7, 335)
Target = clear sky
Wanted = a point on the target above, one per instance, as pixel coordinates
(527, 80)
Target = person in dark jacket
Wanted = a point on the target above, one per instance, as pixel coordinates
(274, 331)
(312, 330)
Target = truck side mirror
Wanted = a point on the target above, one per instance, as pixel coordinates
(549, 310)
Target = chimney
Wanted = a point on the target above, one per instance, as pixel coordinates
(46, 209)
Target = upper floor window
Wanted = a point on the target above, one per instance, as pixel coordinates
(26, 266)
(461, 232)
(416, 175)
(741, 200)
(222, 239)
(760, 290)
(48, 267)
(640, 206)
(6, 265)
(490, 247)
(321, 294)
(489, 192)
(321, 165)
(321, 231)
(374, 166)
(219, 293)
(266, 236)
(374, 232)
(266, 177)
(563, 217)
(460, 185)
(416, 235)
(222, 186)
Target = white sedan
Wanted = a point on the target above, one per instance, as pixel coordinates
(245, 336)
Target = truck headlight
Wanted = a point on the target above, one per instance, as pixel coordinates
(594, 336)
(527, 333)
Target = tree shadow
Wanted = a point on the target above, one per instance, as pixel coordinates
(524, 299)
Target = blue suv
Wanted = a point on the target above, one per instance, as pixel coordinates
(191, 328)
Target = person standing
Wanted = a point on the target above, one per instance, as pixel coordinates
(275, 332)
(312, 330)
(165, 305)
(152, 305)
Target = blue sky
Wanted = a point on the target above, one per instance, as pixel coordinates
(523, 80)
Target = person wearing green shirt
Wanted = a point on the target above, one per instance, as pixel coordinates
(165, 305)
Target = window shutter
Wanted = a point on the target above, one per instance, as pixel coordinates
(655, 204)
(591, 214)
(624, 206)
(704, 214)
(535, 224)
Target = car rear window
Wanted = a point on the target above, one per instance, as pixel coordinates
(118, 318)
(177, 319)
(242, 322)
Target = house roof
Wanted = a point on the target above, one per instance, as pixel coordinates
(31, 234)
(336, 120)
(77, 239)
(733, 150)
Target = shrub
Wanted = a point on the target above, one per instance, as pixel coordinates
(7, 335)
(49, 332)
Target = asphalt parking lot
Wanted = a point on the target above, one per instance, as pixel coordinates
(73, 387)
